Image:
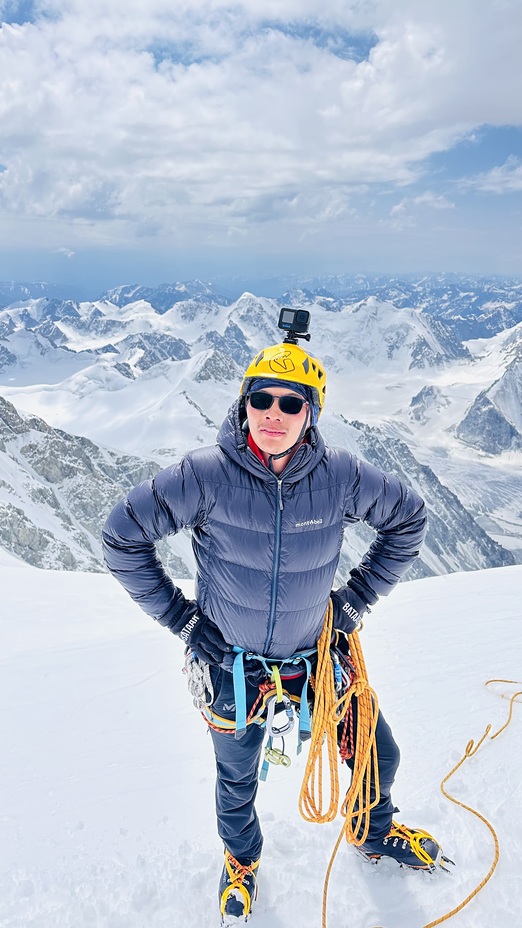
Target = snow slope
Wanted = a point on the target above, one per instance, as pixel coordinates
(106, 770)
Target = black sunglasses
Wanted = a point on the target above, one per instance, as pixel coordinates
(290, 405)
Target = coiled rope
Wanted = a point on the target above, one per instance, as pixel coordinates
(328, 712)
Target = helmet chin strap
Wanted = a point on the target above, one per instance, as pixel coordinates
(282, 454)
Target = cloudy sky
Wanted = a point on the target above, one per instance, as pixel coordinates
(154, 140)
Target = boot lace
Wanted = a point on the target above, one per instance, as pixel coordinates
(237, 874)
(413, 838)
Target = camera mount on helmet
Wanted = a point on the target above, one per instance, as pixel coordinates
(295, 322)
(288, 362)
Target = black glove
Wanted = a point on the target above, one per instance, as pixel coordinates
(205, 639)
(348, 609)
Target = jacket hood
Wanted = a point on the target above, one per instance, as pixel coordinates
(233, 440)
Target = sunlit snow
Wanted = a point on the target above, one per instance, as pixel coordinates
(106, 770)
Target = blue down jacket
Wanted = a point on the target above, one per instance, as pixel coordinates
(266, 547)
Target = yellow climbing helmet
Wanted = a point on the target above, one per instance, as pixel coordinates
(288, 363)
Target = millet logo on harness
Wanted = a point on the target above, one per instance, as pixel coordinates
(309, 522)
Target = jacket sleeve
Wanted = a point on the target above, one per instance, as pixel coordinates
(398, 515)
(156, 508)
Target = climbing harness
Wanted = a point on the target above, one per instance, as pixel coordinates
(275, 707)
(273, 669)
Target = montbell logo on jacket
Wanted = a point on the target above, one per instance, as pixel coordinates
(266, 547)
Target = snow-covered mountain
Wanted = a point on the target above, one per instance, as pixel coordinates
(148, 374)
(12, 291)
(55, 489)
(366, 333)
(165, 296)
(474, 307)
(493, 423)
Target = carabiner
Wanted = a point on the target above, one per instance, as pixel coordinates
(287, 726)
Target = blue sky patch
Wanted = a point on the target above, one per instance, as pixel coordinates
(183, 53)
(18, 12)
(486, 148)
(338, 41)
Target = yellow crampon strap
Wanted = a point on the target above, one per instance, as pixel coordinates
(328, 712)
(237, 873)
(414, 839)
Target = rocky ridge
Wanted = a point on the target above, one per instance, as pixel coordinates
(56, 490)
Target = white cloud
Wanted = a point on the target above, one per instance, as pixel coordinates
(504, 179)
(406, 214)
(151, 117)
(433, 200)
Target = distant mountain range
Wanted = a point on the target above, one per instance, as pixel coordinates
(478, 306)
(425, 379)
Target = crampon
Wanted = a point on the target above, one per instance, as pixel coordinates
(409, 847)
(237, 891)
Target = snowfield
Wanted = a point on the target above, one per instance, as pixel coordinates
(106, 770)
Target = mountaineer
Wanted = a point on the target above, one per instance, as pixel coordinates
(267, 507)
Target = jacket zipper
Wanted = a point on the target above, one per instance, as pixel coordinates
(275, 566)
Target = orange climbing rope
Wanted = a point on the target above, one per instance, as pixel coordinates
(328, 712)
(471, 750)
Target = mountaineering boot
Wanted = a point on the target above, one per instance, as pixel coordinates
(410, 847)
(237, 890)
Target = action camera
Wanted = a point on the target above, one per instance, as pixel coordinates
(295, 322)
